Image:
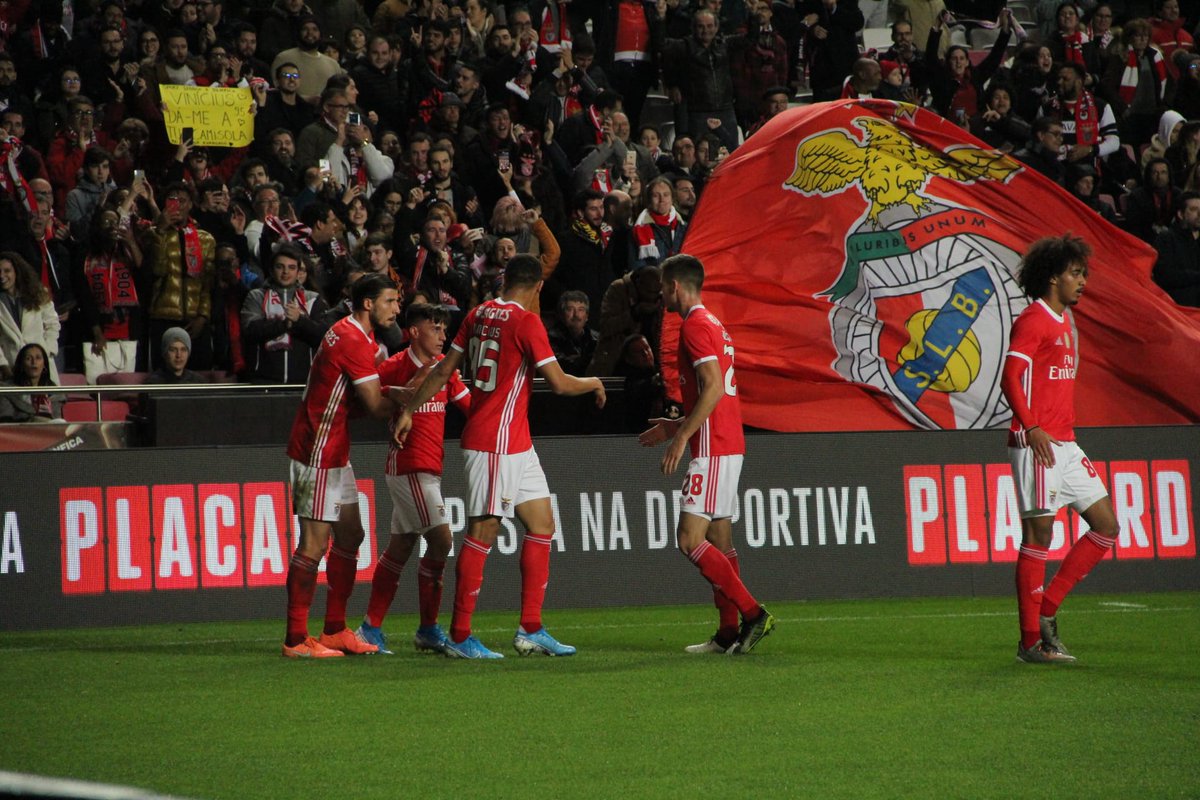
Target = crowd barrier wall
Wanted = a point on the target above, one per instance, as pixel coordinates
(103, 538)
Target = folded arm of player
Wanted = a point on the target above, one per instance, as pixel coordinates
(562, 383)
(711, 390)
(1012, 384)
(432, 384)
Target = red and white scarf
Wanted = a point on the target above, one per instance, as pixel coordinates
(111, 281)
(597, 123)
(554, 33)
(1129, 78)
(289, 231)
(193, 252)
(1073, 47)
(11, 180)
(274, 308)
(602, 180)
(1086, 115)
(643, 231)
(358, 167)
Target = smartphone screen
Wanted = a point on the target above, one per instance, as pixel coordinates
(188, 135)
(503, 160)
(353, 118)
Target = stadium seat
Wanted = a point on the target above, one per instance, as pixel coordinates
(73, 379)
(877, 39)
(1107, 199)
(1022, 14)
(85, 411)
(122, 378)
(984, 38)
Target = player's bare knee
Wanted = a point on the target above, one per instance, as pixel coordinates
(400, 545)
(1038, 530)
(438, 542)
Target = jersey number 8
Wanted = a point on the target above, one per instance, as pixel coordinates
(483, 355)
(730, 383)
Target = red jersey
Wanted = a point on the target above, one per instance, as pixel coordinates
(504, 345)
(423, 449)
(702, 338)
(345, 359)
(1047, 343)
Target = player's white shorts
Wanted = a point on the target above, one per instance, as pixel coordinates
(710, 489)
(1042, 491)
(497, 483)
(319, 493)
(417, 504)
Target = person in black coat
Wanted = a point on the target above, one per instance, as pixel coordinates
(1177, 270)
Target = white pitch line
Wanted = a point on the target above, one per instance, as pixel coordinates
(1115, 608)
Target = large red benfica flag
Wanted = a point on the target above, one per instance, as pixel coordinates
(862, 253)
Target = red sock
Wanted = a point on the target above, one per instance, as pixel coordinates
(1081, 558)
(301, 586)
(468, 580)
(716, 569)
(429, 589)
(1031, 574)
(383, 588)
(535, 574)
(341, 568)
(727, 628)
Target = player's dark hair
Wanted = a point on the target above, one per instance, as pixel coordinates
(369, 287)
(1048, 258)
(523, 270)
(684, 269)
(422, 312)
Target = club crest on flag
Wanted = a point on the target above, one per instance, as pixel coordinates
(922, 307)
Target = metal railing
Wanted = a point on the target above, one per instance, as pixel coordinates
(126, 389)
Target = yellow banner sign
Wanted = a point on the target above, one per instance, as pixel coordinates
(217, 117)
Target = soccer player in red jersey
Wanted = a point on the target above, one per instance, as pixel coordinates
(712, 426)
(324, 494)
(1049, 469)
(414, 479)
(503, 344)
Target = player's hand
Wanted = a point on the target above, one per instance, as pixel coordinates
(403, 426)
(1043, 446)
(601, 397)
(674, 455)
(663, 429)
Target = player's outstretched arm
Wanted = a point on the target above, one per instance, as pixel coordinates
(432, 384)
(662, 430)
(371, 395)
(564, 384)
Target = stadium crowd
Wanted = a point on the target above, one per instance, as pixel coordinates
(433, 141)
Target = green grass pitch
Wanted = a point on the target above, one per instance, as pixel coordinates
(862, 699)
